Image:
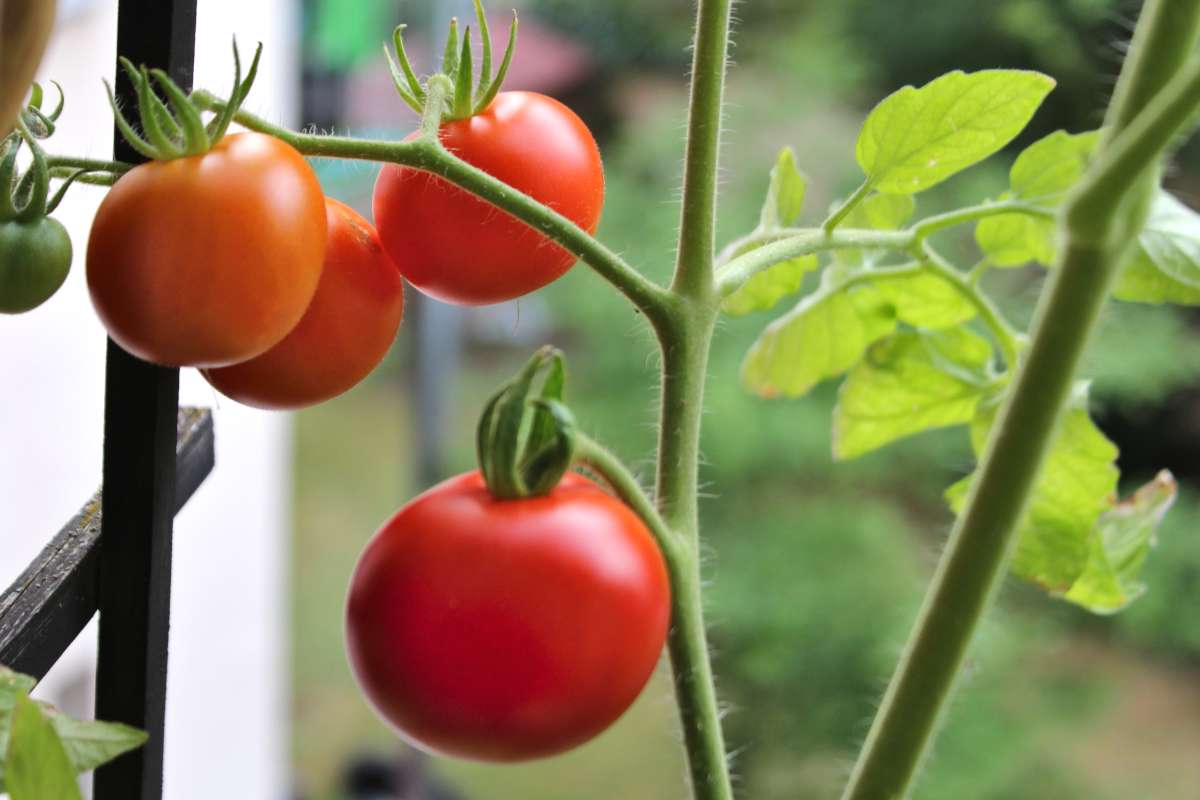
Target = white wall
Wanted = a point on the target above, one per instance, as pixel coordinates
(227, 716)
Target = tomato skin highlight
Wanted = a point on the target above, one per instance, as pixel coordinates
(208, 260)
(460, 249)
(344, 334)
(35, 258)
(505, 630)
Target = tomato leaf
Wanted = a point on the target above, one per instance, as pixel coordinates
(768, 287)
(90, 743)
(1047, 169)
(910, 382)
(87, 743)
(785, 195)
(1119, 544)
(1077, 484)
(1165, 266)
(1012, 240)
(822, 337)
(926, 300)
(1042, 174)
(36, 766)
(916, 138)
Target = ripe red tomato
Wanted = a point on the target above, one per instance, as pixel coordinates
(507, 629)
(458, 248)
(208, 260)
(345, 333)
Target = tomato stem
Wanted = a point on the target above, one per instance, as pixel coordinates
(646, 295)
(602, 461)
(697, 226)
(981, 543)
(842, 211)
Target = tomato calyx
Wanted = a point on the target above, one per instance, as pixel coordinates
(526, 436)
(177, 131)
(26, 197)
(470, 95)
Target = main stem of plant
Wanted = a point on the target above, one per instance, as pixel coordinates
(983, 538)
(685, 332)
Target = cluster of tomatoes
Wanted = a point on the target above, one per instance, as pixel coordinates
(478, 627)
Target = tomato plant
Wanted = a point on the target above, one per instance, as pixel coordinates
(512, 615)
(344, 334)
(507, 629)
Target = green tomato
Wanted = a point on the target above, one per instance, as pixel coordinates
(34, 260)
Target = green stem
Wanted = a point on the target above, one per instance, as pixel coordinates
(981, 543)
(650, 298)
(697, 227)
(1005, 334)
(793, 244)
(1133, 152)
(72, 164)
(685, 342)
(744, 257)
(685, 333)
(438, 88)
(604, 463)
(961, 216)
(845, 208)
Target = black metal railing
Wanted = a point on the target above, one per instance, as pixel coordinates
(114, 557)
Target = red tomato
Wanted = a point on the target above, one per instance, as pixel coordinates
(458, 248)
(208, 260)
(345, 333)
(507, 629)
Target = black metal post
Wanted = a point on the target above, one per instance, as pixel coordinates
(141, 404)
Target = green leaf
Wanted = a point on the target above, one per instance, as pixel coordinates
(1077, 483)
(1012, 240)
(785, 196)
(916, 138)
(768, 287)
(90, 743)
(881, 212)
(822, 337)
(87, 743)
(1119, 544)
(1165, 266)
(36, 765)
(926, 300)
(12, 684)
(1043, 173)
(1046, 170)
(908, 383)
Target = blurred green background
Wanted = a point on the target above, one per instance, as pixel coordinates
(815, 569)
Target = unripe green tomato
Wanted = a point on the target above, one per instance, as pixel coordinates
(34, 260)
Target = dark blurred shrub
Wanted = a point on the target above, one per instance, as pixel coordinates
(1076, 41)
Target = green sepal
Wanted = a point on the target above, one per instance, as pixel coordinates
(525, 441)
(472, 94)
(177, 131)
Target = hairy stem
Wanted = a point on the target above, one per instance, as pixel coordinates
(842, 211)
(1000, 328)
(983, 537)
(650, 298)
(601, 460)
(685, 334)
(685, 345)
(749, 255)
(697, 228)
